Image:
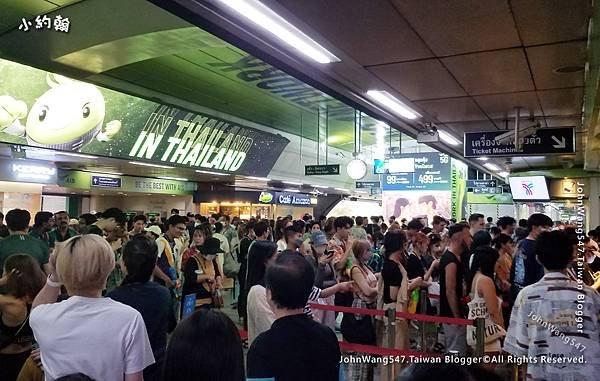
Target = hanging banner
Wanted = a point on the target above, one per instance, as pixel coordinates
(42, 109)
(459, 189)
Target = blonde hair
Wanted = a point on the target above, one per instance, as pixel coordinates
(83, 263)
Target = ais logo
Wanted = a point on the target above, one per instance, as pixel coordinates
(528, 186)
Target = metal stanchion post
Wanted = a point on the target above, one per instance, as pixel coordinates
(391, 339)
(423, 301)
(479, 336)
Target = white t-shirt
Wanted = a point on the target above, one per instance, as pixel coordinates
(281, 245)
(98, 337)
(260, 314)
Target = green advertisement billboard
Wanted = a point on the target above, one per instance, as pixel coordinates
(42, 109)
(503, 198)
(459, 188)
(85, 180)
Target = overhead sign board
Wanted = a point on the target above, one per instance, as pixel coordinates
(106, 182)
(546, 141)
(487, 190)
(367, 184)
(481, 183)
(432, 172)
(320, 170)
(286, 198)
(126, 127)
(28, 171)
(85, 180)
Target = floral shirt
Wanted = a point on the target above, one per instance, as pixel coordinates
(555, 324)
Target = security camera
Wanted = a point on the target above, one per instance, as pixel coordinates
(509, 136)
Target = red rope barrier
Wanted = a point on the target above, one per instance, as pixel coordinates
(404, 315)
(373, 350)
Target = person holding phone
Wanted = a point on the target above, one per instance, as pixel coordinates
(321, 258)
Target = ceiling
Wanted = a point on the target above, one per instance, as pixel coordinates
(464, 64)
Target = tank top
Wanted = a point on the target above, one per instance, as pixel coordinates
(476, 300)
(21, 333)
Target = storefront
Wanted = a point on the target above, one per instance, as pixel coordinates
(22, 182)
(288, 204)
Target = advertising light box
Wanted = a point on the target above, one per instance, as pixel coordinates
(529, 188)
(42, 109)
(432, 171)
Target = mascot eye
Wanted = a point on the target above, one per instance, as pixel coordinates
(86, 111)
(43, 113)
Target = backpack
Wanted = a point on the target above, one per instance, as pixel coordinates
(231, 267)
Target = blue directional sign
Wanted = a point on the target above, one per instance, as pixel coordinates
(367, 184)
(106, 182)
(545, 141)
(481, 183)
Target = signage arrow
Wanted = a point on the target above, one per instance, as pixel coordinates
(559, 143)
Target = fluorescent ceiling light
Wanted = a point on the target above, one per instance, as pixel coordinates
(342, 189)
(483, 158)
(271, 22)
(78, 155)
(491, 166)
(446, 137)
(150, 165)
(211, 173)
(173, 178)
(291, 190)
(393, 104)
(503, 174)
(291, 183)
(319, 186)
(258, 178)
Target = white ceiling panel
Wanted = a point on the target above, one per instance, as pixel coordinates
(461, 26)
(371, 32)
(561, 102)
(452, 109)
(500, 106)
(419, 80)
(545, 59)
(547, 21)
(491, 72)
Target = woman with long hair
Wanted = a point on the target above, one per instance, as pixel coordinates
(485, 303)
(259, 313)
(505, 246)
(198, 237)
(280, 233)
(365, 296)
(205, 346)
(22, 278)
(116, 238)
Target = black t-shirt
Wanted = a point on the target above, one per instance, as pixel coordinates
(295, 348)
(414, 267)
(154, 303)
(392, 277)
(447, 258)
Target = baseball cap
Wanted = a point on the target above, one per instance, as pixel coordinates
(318, 238)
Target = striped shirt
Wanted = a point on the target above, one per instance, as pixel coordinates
(555, 322)
(315, 294)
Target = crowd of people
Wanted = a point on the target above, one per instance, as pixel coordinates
(106, 297)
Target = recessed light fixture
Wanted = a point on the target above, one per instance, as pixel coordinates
(569, 69)
(258, 178)
(212, 173)
(150, 165)
(291, 183)
(392, 103)
(447, 138)
(78, 155)
(271, 22)
(173, 178)
(291, 190)
(491, 166)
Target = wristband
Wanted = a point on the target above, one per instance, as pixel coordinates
(52, 283)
